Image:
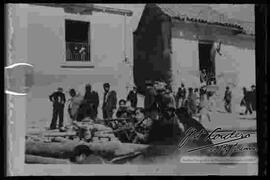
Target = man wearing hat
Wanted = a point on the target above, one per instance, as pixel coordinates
(58, 99)
(109, 101)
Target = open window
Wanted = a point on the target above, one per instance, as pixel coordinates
(77, 41)
(207, 61)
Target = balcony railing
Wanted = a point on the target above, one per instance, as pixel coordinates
(77, 51)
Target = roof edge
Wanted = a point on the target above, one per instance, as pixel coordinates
(92, 7)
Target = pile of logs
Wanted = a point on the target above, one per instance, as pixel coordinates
(53, 147)
(91, 132)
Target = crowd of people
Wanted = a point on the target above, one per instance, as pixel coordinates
(87, 106)
(159, 98)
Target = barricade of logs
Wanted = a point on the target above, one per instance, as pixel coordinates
(52, 147)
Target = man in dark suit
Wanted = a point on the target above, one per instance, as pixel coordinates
(58, 99)
(91, 101)
(132, 97)
(109, 102)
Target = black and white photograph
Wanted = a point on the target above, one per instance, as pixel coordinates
(131, 89)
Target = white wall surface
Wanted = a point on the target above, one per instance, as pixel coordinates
(39, 39)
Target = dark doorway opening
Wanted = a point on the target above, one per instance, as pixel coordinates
(207, 62)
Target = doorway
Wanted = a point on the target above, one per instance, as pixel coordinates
(207, 60)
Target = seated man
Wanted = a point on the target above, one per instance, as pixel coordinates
(142, 127)
(122, 111)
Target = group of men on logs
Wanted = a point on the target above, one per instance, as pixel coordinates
(163, 120)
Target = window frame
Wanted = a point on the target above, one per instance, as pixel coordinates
(77, 64)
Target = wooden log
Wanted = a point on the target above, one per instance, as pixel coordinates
(65, 149)
(52, 149)
(31, 159)
(59, 134)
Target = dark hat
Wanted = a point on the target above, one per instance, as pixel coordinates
(190, 89)
(106, 85)
(60, 89)
(72, 91)
(88, 86)
(227, 87)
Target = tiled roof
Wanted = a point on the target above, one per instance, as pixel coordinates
(204, 14)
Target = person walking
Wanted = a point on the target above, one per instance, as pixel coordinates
(58, 99)
(109, 101)
(227, 100)
(247, 101)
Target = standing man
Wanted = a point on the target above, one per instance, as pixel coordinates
(181, 96)
(132, 97)
(58, 99)
(91, 100)
(228, 99)
(253, 97)
(109, 101)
